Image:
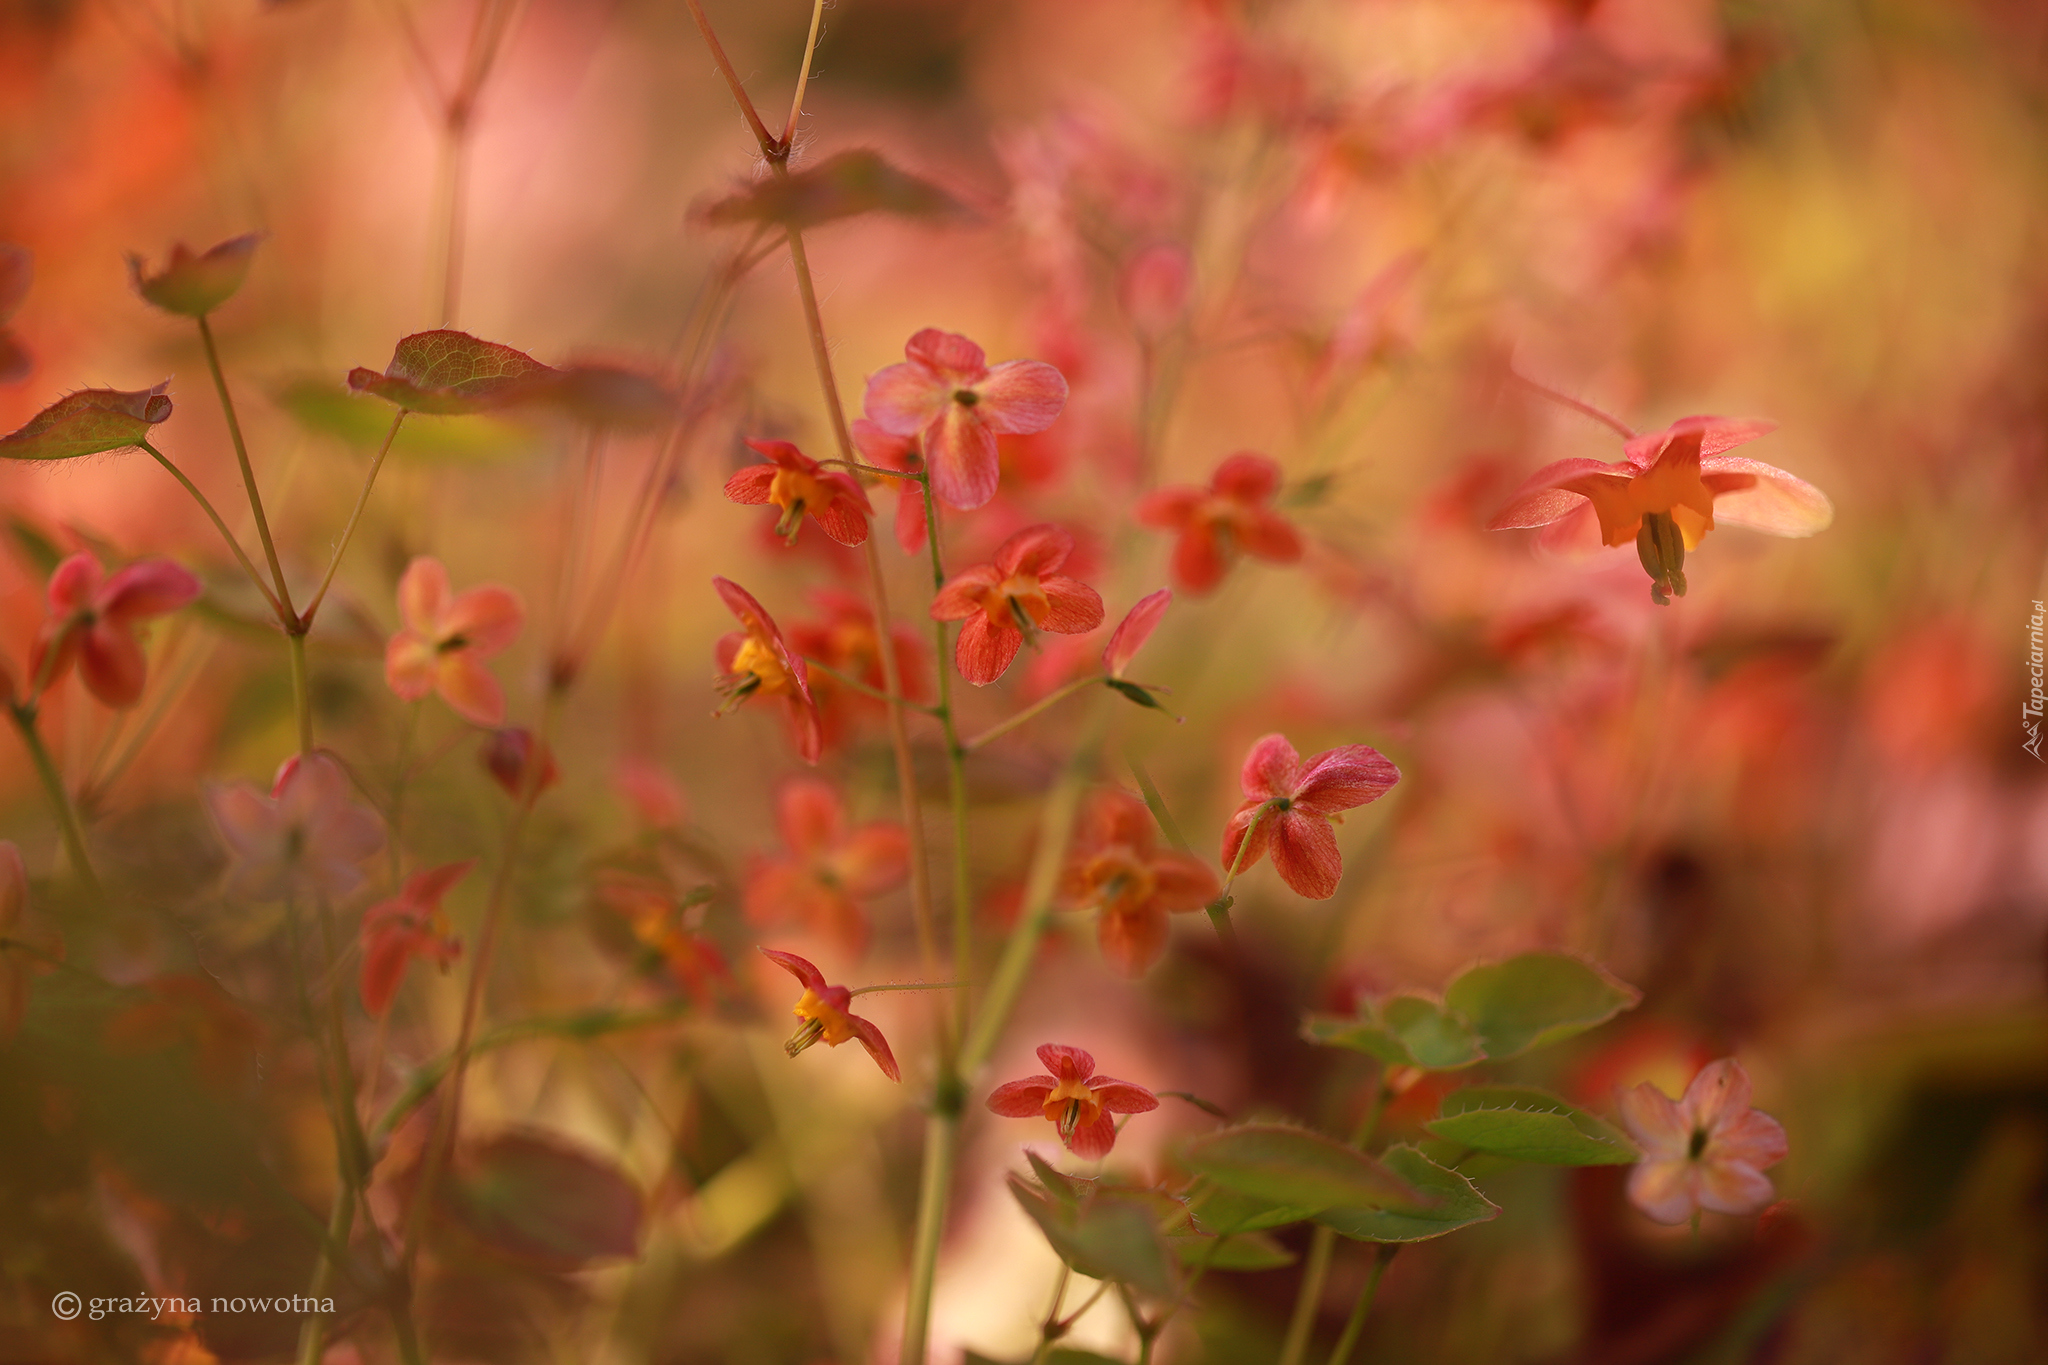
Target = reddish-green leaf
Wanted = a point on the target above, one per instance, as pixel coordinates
(840, 186)
(88, 422)
(1297, 1168)
(609, 396)
(1106, 1237)
(1527, 1124)
(452, 372)
(538, 1200)
(193, 286)
(1536, 999)
(1403, 1030)
(1457, 1203)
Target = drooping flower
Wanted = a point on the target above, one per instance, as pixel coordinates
(93, 619)
(1118, 870)
(407, 926)
(1706, 1150)
(800, 486)
(1232, 515)
(758, 661)
(304, 839)
(1289, 806)
(829, 869)
(878, 447)
(947, 393)
(843, 638)
(827, 1015)
(1074, 1099)
(1668, 491)
(507, 755)
(1019, 592)
(445, 639)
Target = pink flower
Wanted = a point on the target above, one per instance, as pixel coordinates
(1076, 1100)
(93, 618)
(1293, 805)
(828, 1017)
(407, 926)
(878, 447)
(799, 485)
(305, 839)
(1665, 495)
(830, 868)
(1705, 1151)
(1232, 515)
(445, 640)
(947, 393)
(1118, 870)
(758, 661)
(1016, 593)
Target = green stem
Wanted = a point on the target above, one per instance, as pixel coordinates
(956, 773)
(1045, 703)
(24, 714)
(305, 620)
(227, 407)
(1310, 1298)
(941, 1132)
(241, 557)
(302, 691)
(864, 689)
(1355, 1326)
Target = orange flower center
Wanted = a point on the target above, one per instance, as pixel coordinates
(1118, 882)
(1070, 1105)
(830, 1025)
(795, 491)
(756, 657)
(1016, 603)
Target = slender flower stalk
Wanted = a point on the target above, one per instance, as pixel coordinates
(227, 407)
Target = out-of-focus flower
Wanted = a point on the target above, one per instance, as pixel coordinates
(1289, 806)
(507, 755)
(800, 486)
(304, 839)
(1154, 289)
(655, 796)
(829, 868)
(827, 1015)
(407, 926)
(1665, 495)
(1074, 1099)
(1232, 515)
(654, 916)
(1118, 870)
(758, 660)
(446, 638)
(845, 641)
(93, 618)
(194, 285)
(1707, 1150)
(1016, 593)
(947, 393)
(878, 447)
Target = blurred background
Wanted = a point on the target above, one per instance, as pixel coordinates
(1794, 808)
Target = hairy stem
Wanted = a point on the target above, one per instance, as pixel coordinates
(769, 146)
(1045, 703)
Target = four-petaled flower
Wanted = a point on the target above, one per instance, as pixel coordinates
(829, 869)
(1289, 806)
(1668, 492)
(1707, 1150)
(93, 618)
(407, 926)
(1076, 1100)
(1019, 592)
(948, 393)
(446, 638)
(1232, 514)
(1118, 870)
(758, 660)
(826, 1015)
(800, 486)
(304, 839)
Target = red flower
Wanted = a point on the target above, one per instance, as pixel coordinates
(655, 918)
(508, 755)
(758, 660)
(1293, 804)
(1705, 1151)
(407, 926)
(1078, 1102)
(1666, 494)
(93, 619)
(1016, 593)
(947, 393)
(1232, 514)
(445, 639)
(878, 447)
(830, 868)
(798, 485)
(846, 642)
(826, 1017)
(1134, 630)
(1118, 870)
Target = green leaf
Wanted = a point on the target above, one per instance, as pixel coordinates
(1293, 1166)
(193, 286)
(1529, 1124)
(1102, 1238)
(1403, 1030)
(1536, 999)
(535, 1199)
(320, 407)
(88, 422)
(452, 372)
(1458, 1204)
(841, 186)
(1224, 1211)
(1134, 692)
(1237, 1251)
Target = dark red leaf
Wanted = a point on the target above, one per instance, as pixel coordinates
(840, 186)
(451, 373)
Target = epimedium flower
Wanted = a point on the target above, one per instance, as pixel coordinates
(653, 916)
(843, 639)
(1118, 870)
(1289, 806)
(306, 838)
(445, 639)
(1706, 1150)
(800, 486)
(1074, 1099)
(757, 661)
(409, 925)
(93, 616)
(1019, 592)
(947, 393)
(830, 866)
(827, 1015)
(1232, 515)
(1670, 488)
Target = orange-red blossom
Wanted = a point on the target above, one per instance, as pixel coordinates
(1074, 1099)
(1019, 591)
(1118, 870)
(827, 1015)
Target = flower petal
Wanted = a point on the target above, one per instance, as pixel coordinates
(811, 978)
(1732, 1187)
(1122, 1097)
(422, 590)
(749, 487)
(961, 597)
(1338, 779)
(1094, 1138)
(148, 587)
(1185, 882)
(1233, 835)
(1716, 435)
(1542, 498)
(73, 584)
(1663, 1189)
(1169, 509)
(425, 889)
(1132, 940)
(810, 815)
(1305, 854)
(1072, 607)
(1755, 1139)
(873, 859)
(1134, 630)
(1772, 501)
(1023, 1099)
(1272, 769)
(1036, 549)
(486, 619)
(1246, 477)
(984, 651)
(844, 519)
(910, 526)
(1267, 535)
(878, 1047)
(469, 689)
(1066, 1063)
(948, 355)
(903, 399)
(111, 663)
(409, 665)
(1655, 1121)
(1199, 559)
(1020, 397)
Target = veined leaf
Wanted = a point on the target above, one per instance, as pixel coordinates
(1458, 1204)
(452, 372)
(88, 422)
(1403, 1030)
(1536, 999)
(1528, 1124)
(1298, 1168)
(841, 186)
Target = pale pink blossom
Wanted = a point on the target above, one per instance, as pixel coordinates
(947, 393)
(446, 638)
(1707, 1150)
(306, 838)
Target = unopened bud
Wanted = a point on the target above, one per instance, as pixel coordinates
(509, 758)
